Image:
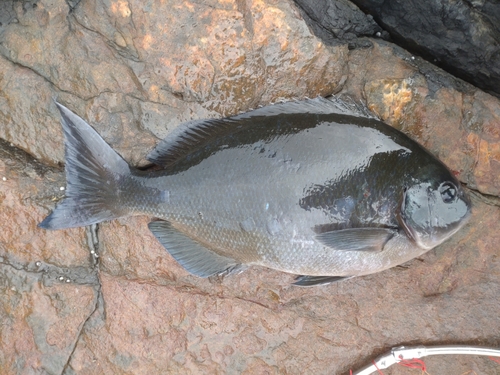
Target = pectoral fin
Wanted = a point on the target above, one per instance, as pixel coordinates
(356, 239)
(190, 254)
(318, 280)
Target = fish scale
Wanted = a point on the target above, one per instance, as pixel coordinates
(314, 188)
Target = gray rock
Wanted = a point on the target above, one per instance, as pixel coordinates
(339, 22)
(461, 36)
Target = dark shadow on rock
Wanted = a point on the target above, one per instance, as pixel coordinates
(339, 22)
(21, 160)
(462, 37)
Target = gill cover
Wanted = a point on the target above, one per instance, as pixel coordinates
(431, 213)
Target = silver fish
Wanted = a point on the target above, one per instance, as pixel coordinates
(315, 188)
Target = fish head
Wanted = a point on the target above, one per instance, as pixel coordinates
(432, 211)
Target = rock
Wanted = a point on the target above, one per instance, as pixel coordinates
(131, 73)
(339, 22)
(462, 37)
(40, 324)
(48, 283)
(25, 97)
(28, 190)
(135, 70)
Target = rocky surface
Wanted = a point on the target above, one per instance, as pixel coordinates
(339, 22)
(137, 69)
(48, 283)
(461, 36)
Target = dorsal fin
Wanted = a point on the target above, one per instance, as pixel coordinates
(335, 104)
(192, 135)
(186, 138)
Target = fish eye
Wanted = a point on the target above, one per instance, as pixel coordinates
(448, 192)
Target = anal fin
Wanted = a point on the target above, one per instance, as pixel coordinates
(190, 254)
(317, 280)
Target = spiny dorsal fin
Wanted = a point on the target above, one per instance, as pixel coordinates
(192, 135)
(186, 138)
(334, 104)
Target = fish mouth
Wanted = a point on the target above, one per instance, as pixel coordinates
(430, 240)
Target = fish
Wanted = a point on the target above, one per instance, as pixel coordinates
(318, 188)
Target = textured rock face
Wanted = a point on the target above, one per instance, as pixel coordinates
(461, 36)
(48, 284)
(338, 22)
(135, 70)
(153, 65)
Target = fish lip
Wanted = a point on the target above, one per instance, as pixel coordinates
(412, 234)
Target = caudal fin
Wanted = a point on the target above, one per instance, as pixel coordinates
(94, 172)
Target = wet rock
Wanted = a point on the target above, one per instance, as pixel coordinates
(339, 22)
(463, 37)
(135, 70)
(47, 283)
(224, 56)
(152, 68)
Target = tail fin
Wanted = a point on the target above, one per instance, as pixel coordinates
(93, 174)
